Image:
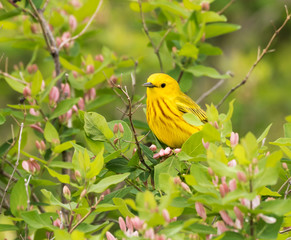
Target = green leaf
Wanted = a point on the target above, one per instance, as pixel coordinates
(100, 101)
(208, 49)
(95, 166)
(88, 228)
(250, 145)
(193, 147)
(267, 192)
(287, 130)
(282, 142)
(36, 83)
(48, 88)
(217, 29)
(63, 107)
(2, 119)
(7, 227)
(37, 221)
(15, 85)
(192, 119)
(10, 14)
(122, 207)
(125, 138)
(62, 178)
(61, 164)
(107, 182)
(171, 166)
(240, 155)
(222, 169)
(200, 70)
(189, 50)
(99, 77)
(210, 133)
(119, 165)
(63, 147)
(192, 6)
(148, 153)
(278, 207)
(146, 7)
(18, 198)
(50, 133)
(96, 127)
(70, 66)
(264, 134)
(200, 228)
(55, 202)
(209, 16)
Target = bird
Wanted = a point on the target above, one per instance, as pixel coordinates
(166, 105)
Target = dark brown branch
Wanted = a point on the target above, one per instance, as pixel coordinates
(259, 58)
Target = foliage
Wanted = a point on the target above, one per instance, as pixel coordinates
(86, 172)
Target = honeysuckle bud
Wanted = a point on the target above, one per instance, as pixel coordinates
(33, 28)
(267, 219)
(215, 180)
(153, 147)
(166, 215)
(226, 218)
(160, 237)
(177, 150)
(83, 193)
(232, 163)
(33, 112)
(90, 95)
(109, 236)
(241, 176)
(66, 90)
(239, 215)
(205, 144)
(37, 144)
(162, 153)
(81, 104)
(73, 22)
(137, 223)
(113, 80)
(26, 91)
(115, 128)
(223, 179)
(129, 224)
(221, 228)
(122, 224)
(210, 171)
(26, 166)
(31, 166)
(168, 151)
(200, 210)
(174, 49)
(75, 3)
(75, 109)
(57, 223)
(99, 58)
(149, 234)
(78, 175)
(36, 127)
(35, 165)
(216, 125)
(222, 190)
(90, 69)
(115, 141)
(232, 185)
(156, 155)
(185, 187)
(65, 36)
(205, 6)
(284, 165)
(32, 68)
(120, 127)
(54, 95)
(234, 138)
(75, 74)
(177, 180)
(66, 192)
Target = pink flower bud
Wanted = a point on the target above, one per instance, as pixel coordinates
(73, 22)
(36, 127)
(54, 95)
(81, 104)
(32, 68)
(210, 171)
(168, 151)
(239, 215)
(99, 58)
(221, 228)
(267, 219)
(90, 69)
(137, 223)
(75, 3)
(120, 127)
(215, 180)
(232, 163)
(35, 166)
(92, 93)
(222, 190)
(122, 224)
(83, 193)
(162, 152)
(26, 91)
(185, 187)
(75, 109)
(205, 6)
(166, 215)
(153, 147)
(205, 144)
(115, 128)
(200, 210)
(223, 179)
(129, 224)
(66, 192)
(232, 185)
(78, 175)
(33, 28)
(65, 37)
(37, 144)
(234, 138)
(33, 112)
(109, 236)
(66, 90)
(149, 234)
(75, 74)
(156, 155)
(57, 223)
(113, 80)
(58, 41)
(174, 49)
(177, 150)
(177, 180)
(241, 176)
(115, 141)
(284, 165)
(216, 125)
(226, 218)
(26, 166)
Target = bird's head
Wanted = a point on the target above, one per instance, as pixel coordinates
(161, 85)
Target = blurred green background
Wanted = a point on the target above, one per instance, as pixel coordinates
(263, 100)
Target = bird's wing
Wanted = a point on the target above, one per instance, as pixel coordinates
(186, 105)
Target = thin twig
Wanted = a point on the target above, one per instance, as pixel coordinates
(22, 9)
(259, 58)
(87, 215)
(85, 28)
(207, 93)
(284, 184)
(15, 167)
(26, 184)
(5, 74)
(226, 7)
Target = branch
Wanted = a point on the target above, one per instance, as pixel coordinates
(226, 7)
(5, 74)
(259, 58)
(207, 93)
(87, 215)
(85, 28)
(15, 167)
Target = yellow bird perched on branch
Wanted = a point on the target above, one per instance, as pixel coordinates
(166, 104)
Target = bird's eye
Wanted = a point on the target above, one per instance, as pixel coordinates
(163, 85)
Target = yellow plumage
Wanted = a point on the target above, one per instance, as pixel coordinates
(166, 104)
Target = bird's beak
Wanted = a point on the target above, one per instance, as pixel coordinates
(149, 85)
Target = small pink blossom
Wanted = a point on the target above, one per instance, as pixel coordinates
(177, 180)
(226, 218)
(177, 150)
(99, 58)
(33, 112)
(90, 69)
(156, 155)
(36, 127)
(241, 176)
(222, 190)
(168, 151)
(267, 219)
(54, 95)
(232, 185)
(137, 223)
(73, 22)
(185, 187)
(232, 163)
(221, 228)
(66, 90)
(57, 223)
(215, 180)
(32, 68)
(205, 144)
(122, 224)
(115, 128)
(205, 6)
(162, 152)
(200, 210)
(210, 171)
(120, 127)
(234, 138)
(153, 148)
(150, 234)
(81, 104)
(166, 215)
(26, 91)
(284, 165)
(129, 224)
(239, 215)
(223, 179)
(109, 236)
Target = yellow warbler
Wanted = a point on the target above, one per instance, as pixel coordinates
(166, 104)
